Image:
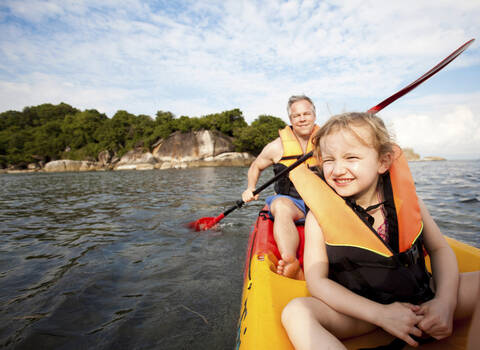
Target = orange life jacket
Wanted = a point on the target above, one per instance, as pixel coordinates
(358, 258)
(292, 150)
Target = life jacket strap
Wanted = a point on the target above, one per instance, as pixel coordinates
(406, 259)
(411, 256)
(291, 157)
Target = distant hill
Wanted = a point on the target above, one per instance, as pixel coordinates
(412, 156)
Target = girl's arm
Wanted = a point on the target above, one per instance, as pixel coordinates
(439, 311)
(398, 319)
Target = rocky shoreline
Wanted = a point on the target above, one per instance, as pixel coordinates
(179, 151)
(411, 156)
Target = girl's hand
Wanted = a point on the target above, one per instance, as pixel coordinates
(400, 320)
(437, 318)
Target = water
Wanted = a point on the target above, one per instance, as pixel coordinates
(103, 261)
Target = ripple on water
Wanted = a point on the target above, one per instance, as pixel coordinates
(104, 260)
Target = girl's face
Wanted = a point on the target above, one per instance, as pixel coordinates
(351, 167)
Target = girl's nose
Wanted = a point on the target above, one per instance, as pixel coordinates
(338, 168)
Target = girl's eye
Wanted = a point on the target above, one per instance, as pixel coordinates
(352, 157)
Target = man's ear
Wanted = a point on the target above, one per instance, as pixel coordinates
(385, 161)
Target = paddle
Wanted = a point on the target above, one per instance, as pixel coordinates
(208, 222)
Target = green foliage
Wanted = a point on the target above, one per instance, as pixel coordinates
(226, 122)
(47, 132)
(263, 130)
(33, 134)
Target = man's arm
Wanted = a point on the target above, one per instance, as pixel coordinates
(270, 154)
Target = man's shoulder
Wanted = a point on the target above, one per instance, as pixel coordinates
(273, 150)
(275, 145)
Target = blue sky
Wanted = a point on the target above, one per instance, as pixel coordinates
(199, 57)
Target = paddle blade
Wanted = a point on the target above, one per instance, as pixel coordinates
(204, 224)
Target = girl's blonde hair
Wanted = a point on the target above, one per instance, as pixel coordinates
(380, 139)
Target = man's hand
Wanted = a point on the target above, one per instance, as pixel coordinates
(248, 196)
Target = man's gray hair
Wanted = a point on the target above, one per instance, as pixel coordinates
(296, 98)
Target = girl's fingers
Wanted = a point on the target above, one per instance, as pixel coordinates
(414, 308)
(422, 309)
(416, 332)
(409, 340)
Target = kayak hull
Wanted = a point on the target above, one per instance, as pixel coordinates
(266, 293)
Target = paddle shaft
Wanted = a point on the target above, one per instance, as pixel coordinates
(240, 203)
(420, 80)
(375, 109)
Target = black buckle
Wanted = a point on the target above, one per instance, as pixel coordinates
(411, 256)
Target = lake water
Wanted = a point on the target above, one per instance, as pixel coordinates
(103, 260)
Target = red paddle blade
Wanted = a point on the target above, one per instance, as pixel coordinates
(201, 224)
(204, 224)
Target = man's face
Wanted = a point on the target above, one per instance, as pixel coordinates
(302, 118)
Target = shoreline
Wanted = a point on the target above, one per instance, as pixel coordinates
(175, 165)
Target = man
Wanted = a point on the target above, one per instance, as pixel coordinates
(286, 206)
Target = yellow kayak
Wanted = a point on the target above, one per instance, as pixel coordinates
(266, 293)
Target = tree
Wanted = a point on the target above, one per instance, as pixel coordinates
(80, 127)
(50, 131)
(226, 122)
(255, 137)
(164, 124)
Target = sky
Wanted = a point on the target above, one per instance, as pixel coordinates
(199, 57)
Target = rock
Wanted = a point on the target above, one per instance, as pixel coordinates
(137, 157)
(193, 146)
(136, 160)
(71, 165)
(226, 159)
(126, 167)
(433, 158)
(104, 157)
(198, 148)
(410, 155)
(33, 166)
(145, 166)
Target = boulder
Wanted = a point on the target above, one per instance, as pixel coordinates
(193, 146)
(433, 158)
(104, 157)
(410, 155)
(71, 165)
(225, 159)
(33, 166)
(136, 160)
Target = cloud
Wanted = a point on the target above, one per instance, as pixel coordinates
(453, 134)
(195, 58)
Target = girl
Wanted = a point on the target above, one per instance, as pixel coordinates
(364, 263)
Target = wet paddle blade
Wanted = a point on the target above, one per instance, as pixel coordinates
(201, 224)
(206, 223)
